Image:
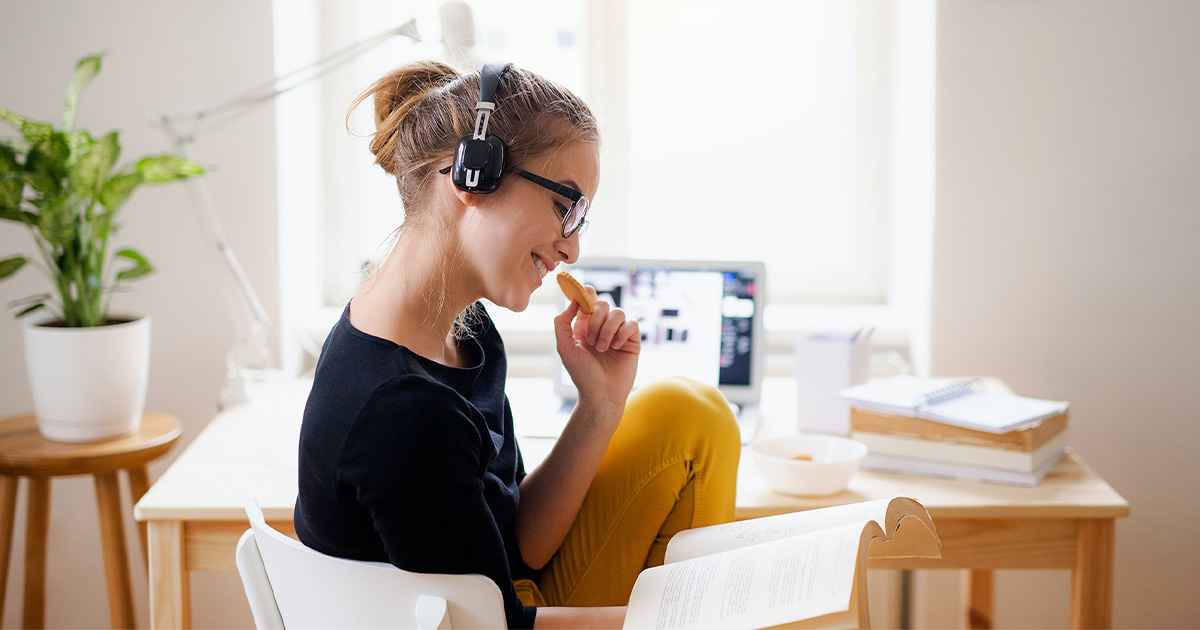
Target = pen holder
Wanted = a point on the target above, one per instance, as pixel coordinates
(825, 365)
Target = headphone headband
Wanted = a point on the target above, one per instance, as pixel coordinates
(489, 80)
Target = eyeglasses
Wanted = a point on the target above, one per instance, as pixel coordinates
(575, 218)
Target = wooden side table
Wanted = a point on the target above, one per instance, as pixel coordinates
(25, 453)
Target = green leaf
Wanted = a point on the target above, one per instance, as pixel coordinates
(85, 70)
(79, 142)
(118, 189)
(33, 131)
(9, 266)
(140, 267)
(12, 179)
(32, 298)
(91, 170)
(31, 309)
(160, 169)
(57, 222)
(101, 225)
(20, 216)
(48, 161)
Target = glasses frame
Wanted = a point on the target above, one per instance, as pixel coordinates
(563, 190)
(577, 198)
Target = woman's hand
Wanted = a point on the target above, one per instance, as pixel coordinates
(600, 351)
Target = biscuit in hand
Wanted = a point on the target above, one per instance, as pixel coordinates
(575, 292)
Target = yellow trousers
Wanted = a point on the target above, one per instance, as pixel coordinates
(671, 465)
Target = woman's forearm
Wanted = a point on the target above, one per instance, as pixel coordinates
(553, 492)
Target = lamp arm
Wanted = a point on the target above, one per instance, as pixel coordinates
(291, 80)
(238, 104)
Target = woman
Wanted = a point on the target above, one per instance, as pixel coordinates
(407, 452)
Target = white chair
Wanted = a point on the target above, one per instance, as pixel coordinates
(292, 586)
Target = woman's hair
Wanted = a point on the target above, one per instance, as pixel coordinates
(423, 108)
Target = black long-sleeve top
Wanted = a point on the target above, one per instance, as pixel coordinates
(408, 461)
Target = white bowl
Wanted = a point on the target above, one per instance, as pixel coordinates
(834, 461)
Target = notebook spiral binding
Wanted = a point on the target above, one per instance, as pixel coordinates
(954, 390)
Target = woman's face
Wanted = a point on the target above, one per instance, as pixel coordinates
(513, 237)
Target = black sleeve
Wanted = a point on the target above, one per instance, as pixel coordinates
(520, 476)
(414, 460)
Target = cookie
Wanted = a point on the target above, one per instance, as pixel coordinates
(575, 291)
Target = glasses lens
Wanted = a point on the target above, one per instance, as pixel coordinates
(575, 216)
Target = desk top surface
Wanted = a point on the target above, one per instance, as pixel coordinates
(249, 450)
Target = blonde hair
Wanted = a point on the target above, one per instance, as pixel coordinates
(423, 108)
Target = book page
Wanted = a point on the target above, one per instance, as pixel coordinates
(755, 587)
(895, 394)
(993, 412)
(701, 541)
(908, 533)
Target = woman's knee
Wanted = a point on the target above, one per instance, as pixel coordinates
(682, 407)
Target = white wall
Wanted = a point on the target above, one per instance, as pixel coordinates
(1066, 263)
(157, 52)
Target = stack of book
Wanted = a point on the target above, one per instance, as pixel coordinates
(956, 429)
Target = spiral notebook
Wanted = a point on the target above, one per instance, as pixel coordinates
(965, 403)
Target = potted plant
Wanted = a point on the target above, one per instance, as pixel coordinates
(87, 368)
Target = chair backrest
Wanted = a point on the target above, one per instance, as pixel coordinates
(292, 586)
(257, 584)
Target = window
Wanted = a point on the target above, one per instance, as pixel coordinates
(797, 133)
(749, 135)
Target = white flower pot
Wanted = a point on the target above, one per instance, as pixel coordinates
(88, 384)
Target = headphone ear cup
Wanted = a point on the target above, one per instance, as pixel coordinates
(478, 164)
(496, 163)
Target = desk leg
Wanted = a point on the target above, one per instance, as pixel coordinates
(979, 599)
(8, 513)
(170, 585)
(116, 560)
(1092, 579)
(37, 522)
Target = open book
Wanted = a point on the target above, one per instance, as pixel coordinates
(800, 570)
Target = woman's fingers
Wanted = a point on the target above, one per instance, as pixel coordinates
(596, 321)
(627, 335)
(563, 325)
(584, 322)
(604, 337)
(606, 327)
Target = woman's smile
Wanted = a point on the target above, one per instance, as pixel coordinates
(540, 265)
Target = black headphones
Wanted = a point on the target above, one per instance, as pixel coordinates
(479, 159)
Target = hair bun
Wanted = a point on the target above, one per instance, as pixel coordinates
(394, 95)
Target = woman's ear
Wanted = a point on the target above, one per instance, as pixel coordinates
(467, 199)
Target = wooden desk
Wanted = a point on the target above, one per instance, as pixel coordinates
(195, 511)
